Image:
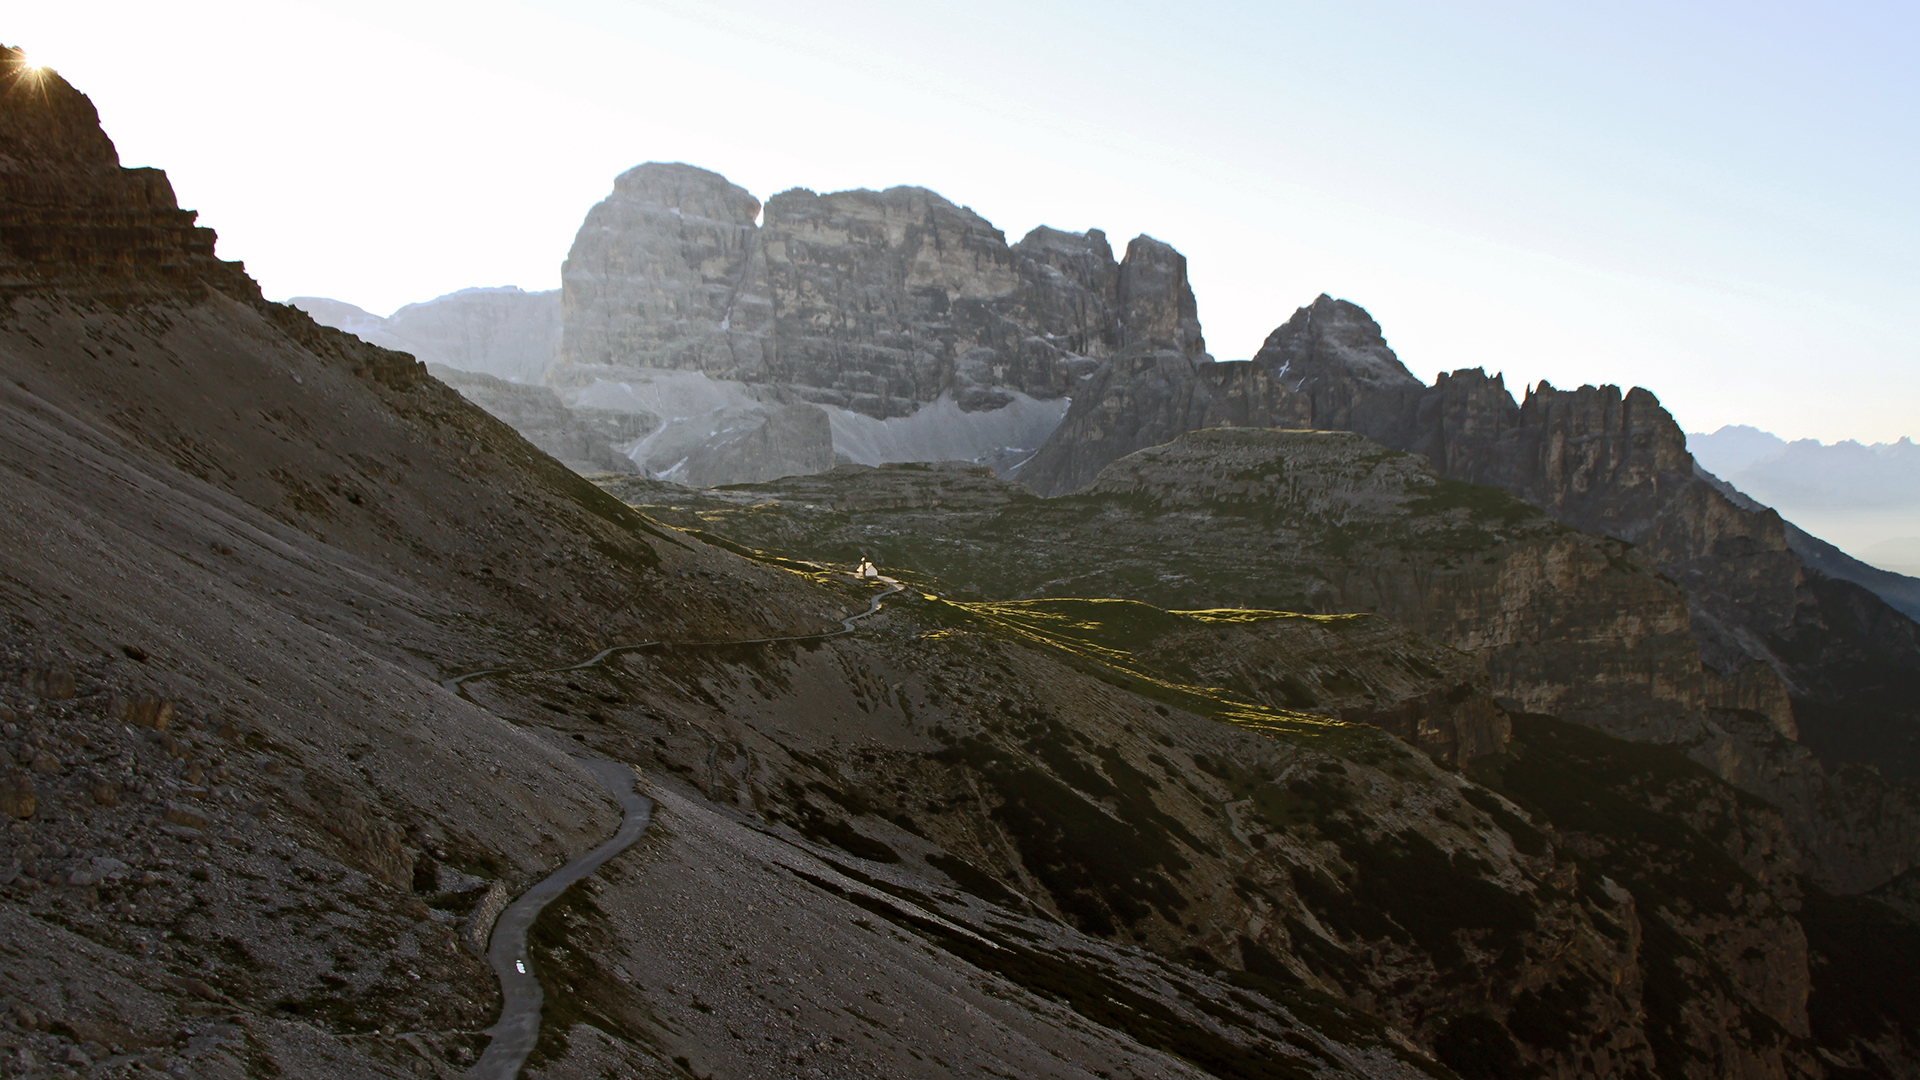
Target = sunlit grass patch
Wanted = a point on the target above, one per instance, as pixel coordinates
(1099, 636)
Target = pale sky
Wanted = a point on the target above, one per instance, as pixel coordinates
(1714, 200)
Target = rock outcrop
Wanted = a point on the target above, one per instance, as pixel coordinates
(72, 218)
(1595, 458)
(668, 272)
(888, 308)
(1137, 402)
(1831, 664)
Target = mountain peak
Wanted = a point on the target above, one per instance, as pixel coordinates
(75, 218)
(1329, 340)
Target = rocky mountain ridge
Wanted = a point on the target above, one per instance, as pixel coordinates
(507, 333)
(875, 302)
(1594, 458)
(246, 556)
(1565, 622)
(909, 320)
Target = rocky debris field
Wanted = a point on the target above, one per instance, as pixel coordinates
(175, 895)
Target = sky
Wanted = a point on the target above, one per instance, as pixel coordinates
(1711, 200)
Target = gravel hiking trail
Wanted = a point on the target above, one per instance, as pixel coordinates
(521, 998)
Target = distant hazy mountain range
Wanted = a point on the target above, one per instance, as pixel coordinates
(1863, 498)
(504, 332)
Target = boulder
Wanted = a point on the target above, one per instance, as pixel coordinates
(186, 815)
(141, 710)
(17, 796)
(55, 683)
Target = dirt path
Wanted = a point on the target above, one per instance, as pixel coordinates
(521, 997)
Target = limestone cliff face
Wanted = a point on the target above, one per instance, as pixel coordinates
(668, 272)
(71, 217)
(1327, 367)
(1824, 661)
(1156, 306)
(881, 298)
(1616, 463)
(1595, 458)
(1333, 353)
(1140, 401)
(876, 302)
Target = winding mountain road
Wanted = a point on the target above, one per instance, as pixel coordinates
(514, 1036)
(520, 993)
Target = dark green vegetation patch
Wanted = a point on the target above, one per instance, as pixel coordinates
(563, 943)
(1598, 793)
(1100, 868)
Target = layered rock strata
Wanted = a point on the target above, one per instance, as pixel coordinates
(874, 305)
(71, 217)
(668, 272)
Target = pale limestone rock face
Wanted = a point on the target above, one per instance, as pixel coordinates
(910, 319)
(1156, 306)
(1327, 367)
(884, 301)
(879, 294)
(667, 272)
